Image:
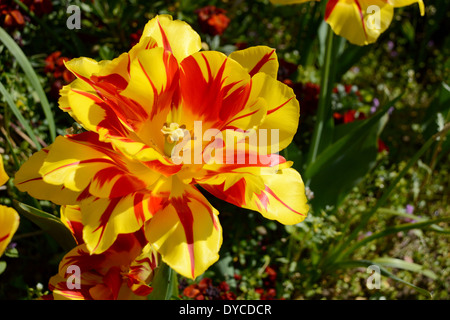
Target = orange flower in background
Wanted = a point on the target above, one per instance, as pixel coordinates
(9, 218)
(212, 20)
(10, 15)
(60, 76)
(124, 271)
(360, 21)
(142, 107)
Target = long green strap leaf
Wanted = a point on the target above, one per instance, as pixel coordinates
(383, 271)
(32, 76)
(10, 101)
(393, 230)
(48, 223)
(405, 265)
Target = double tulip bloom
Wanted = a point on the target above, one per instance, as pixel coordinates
(120, 173)
(360, 21)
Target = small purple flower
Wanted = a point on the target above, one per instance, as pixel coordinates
(391, 109)
(394, 54)
(409, 209)
(375, 105)
(376, 102)
(12, 245)
(390, 45)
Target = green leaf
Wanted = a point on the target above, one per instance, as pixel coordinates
(32, 76)
(344, 164)
(383, 271)
(10, 101)
(48, 223)
(405, 265)
(433, 227)
(439, 106)
(164, 283)
(394, 230)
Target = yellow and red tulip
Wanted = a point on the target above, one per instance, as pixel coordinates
(121, 172)
(360, 21)
(122, 272)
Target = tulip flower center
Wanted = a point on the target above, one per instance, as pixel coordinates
(173, 133)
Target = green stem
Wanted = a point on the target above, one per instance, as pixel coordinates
(326, 86)
(164, 284)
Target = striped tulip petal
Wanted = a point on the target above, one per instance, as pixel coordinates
(71, 216)
(266, 193)
(213, 88)
(153, 86)
(257, 59)
(404, 3)
(360, 21)
(174, 36)
(81, 163)
(187, 232)
(9, 222)
(104, 219)
(283, 111)
(3, 175)
(29, 180)
(354, 21)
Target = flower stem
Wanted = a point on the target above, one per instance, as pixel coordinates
(165, 284)
(323, 112)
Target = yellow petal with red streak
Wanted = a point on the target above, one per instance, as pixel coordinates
(257, 59)
(175, 36)
(9, 222)
(186, 233)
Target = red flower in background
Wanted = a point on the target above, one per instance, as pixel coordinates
(268, 292)
(39, 7)
(54, 64)
(212, 20)
(205, 290)
(382, 146)
(348, 116)
(352, 115)
(135, 37)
